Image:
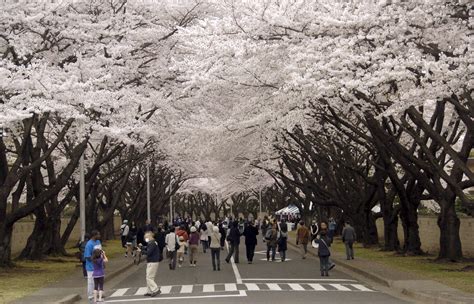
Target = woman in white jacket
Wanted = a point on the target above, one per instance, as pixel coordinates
(171, 240)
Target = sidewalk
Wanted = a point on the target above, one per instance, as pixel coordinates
(406, 283)
(74, 287)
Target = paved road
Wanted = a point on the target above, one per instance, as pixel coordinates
(293, 281)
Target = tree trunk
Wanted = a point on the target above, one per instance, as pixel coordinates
(53, 245)
(6, 231)
(390, 224)
(412, 242)
(34, 245)
(449, 242)
(70, 226)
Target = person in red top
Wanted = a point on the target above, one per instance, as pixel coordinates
(182, 233)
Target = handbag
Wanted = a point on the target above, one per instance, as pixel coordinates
(177, 245)
(314, 244)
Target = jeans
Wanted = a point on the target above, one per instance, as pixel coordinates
(204, 245)
(84, 271)
(233, 249)
(151, 270)
(216, 258)
(90, 284)
(172, 259)
(324, 263)
(283, 255)
(273, 249)
(349, 249)
(250, 252)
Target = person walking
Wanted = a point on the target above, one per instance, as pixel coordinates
(193, 246)
(160, 238)
(171, 247)
(99, 259)
(250, 234)
(234, 241)
(314, 230)
(180, 251)
(283, 241)
(272, 239)
(324, 242)
(204, 236)
(302, 239)
(325, 230)
(215, 246)
(82, 247)
(264, 227)
(124, 230)
(153, 258)
(222, 231)
(93, 244)
(131, 240)
(332, 228)
(348, 238)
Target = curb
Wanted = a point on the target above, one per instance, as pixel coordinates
(73, 298)
(70, 299)
(417, 295)
(352, 268)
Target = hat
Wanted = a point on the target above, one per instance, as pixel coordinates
(181, 238)
(193, 229)
(125, 221)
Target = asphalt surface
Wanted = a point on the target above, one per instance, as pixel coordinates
(296, 280)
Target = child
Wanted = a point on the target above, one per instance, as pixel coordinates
(99, 259)
(182, 245)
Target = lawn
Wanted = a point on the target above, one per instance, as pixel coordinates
(450, 274)
(28, 276)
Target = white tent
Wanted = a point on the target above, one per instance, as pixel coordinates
(289, 210)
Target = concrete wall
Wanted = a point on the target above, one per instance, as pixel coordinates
(429, 234)
(23, 229)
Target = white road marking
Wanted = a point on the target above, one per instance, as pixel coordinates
(276, 260)
(315, 280)
(273, 286)
(296, 286)
(141, 291)
(241, 293)
(361, 287)
(165, 289)
(119, 292)
(317, 287)
(340, 287)
(208, 288)
(186, 289)
(252, 286)
(230, 287)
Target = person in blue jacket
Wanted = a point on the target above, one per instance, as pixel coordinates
(91, 245)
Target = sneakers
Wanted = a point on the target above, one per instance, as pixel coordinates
(126, 255)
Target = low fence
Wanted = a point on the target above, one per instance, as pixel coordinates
(23, 229)
(429, 234)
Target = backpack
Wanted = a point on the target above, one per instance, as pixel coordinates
(268, 234)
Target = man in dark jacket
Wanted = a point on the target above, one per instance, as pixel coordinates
(160, 237)
(348, 237)
(250, 233)
(234, 242)
(152, 259)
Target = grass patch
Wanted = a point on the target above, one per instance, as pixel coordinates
(28, 276)
(456, 275)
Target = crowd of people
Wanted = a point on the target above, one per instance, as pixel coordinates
(184, 237)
